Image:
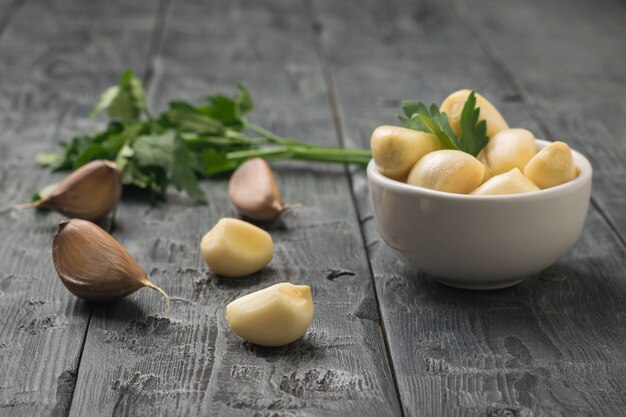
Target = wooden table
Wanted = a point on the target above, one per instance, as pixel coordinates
(386, 340)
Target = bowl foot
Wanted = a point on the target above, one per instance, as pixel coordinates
(479, 286)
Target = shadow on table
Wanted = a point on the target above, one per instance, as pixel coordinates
(120, 311)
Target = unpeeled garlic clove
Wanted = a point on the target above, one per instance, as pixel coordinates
(94, 266)
(552, 166)
(253, 191)
(90, 193)
(453, 107)
(234, 248)
(512, 182)
(274, 316)
(447, 170)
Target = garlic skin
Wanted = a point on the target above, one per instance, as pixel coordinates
(447, 170)
(90, 193)
(274, 316)
(453, 107)
(396, 149)
(552, 166)
(253, 191)
(510, 148)
(512, 182)
(234, 248)
(94, 266)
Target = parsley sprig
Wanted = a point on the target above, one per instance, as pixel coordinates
(184, 142)
(473, 138)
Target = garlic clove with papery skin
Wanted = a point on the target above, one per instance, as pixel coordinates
(254, 192)
(90, 192)
(94, 266)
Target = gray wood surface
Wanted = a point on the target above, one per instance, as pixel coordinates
(50, 74)
(139, 362)
(570, 71)
(554, 345)
(329, 71)
(43, 325)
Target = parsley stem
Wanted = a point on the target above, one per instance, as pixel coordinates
(272, 137)
(308, 153)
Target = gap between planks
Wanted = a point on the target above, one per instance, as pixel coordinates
(156, 40)
(334, 107)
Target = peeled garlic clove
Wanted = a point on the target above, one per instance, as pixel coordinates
(253, 191)
(234, 248)
(447, 170)
(508, 149)
(552, 166)
(90, 193)
(274, 316)
(453, 107)
(94, 266)
(396, 149)
(512, 182)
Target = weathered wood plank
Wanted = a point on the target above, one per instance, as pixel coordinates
(54, 59)
(568, 66)
(42, 325)
(8, 10)
(553, 346)
(139, 362)
(53, 71)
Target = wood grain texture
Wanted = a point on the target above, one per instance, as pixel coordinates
(42, 325)
(567, 64)
(8, 10)
(139, 362)
(553, 346)
(51, 73)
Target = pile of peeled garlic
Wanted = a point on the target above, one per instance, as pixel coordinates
(508, 164)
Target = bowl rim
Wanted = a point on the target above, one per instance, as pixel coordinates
(583, 178)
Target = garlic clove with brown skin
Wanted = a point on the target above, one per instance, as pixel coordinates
(253, 191)
(94, 266)
(90, 192)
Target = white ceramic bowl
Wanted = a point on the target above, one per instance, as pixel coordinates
(480, 242)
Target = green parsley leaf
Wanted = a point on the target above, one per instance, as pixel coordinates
(183, 173)
(473, 133)
(125, 102)
(430, 120)
(169, 153)
(186, 118)
(411, 107)
(243, 100)
(214, 162)
(182, 143)
(50, 159)
(105, 100)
